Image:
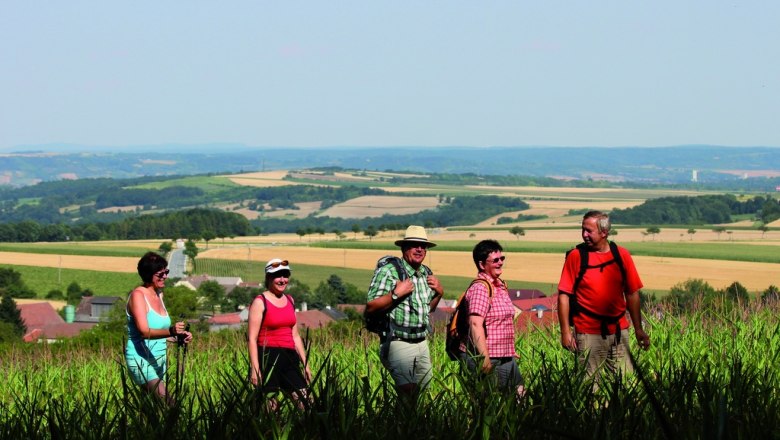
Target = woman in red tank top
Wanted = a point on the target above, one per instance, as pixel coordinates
(276, 351)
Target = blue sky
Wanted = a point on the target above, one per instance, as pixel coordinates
(368, 73)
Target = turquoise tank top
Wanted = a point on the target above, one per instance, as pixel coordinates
(153, 350)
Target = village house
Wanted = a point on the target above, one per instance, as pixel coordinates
(95, 308)
(44, 324)
(305, 318)
(227, 283)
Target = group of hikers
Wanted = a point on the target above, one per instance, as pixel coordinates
(598, 284)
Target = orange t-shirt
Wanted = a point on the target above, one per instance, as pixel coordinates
(601, 289)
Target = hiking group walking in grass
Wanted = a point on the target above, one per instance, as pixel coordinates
(599, 283)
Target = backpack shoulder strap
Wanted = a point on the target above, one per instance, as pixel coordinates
(399, 267)
(613, 247)
(490, 289)
(582, 249)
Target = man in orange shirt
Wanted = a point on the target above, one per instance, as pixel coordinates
(593, 299)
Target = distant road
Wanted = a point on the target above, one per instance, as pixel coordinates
(177, 263)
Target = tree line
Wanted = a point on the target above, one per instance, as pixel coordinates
(191, 223)
(459, 211)
(707, 209)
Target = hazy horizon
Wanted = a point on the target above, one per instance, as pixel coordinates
(216, 147)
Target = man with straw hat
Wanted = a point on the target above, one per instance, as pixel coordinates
(407, 299)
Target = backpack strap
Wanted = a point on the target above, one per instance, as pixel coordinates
(491, 292)
(583, 251)
(613, 247)
(398, 263)
(575, 308)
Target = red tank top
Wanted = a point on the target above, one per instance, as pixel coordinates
(276, 329)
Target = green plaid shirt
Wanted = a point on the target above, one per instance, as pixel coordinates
(410, 318)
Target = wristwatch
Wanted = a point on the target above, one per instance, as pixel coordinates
(393, 295)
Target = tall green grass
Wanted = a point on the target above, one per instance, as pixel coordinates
(706, 376)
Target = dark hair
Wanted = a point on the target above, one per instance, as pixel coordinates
(483, 249)
(150, 264)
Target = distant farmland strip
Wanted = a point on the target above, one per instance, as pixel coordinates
(92, 249)
(704, 251)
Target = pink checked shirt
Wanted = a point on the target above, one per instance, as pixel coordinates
(499, 315)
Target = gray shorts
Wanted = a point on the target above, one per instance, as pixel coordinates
(505, 370)
(407, 362)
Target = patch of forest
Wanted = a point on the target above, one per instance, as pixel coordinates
(708, 209)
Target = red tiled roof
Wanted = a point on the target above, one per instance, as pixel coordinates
(38, 315)
(57, 331)
(226, 319)
(33, 335)
(312, 319)
(516, 294)
(66, 330)
(551, 302)
(357, 307)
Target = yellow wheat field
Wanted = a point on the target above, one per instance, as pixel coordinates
(105, 264)
(657, 273)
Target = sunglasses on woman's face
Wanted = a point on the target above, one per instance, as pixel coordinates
(163, 273)
(276, 264)
(497, 259)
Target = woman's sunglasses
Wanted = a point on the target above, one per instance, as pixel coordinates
(497, 259)
(163, 273)
(276, 264)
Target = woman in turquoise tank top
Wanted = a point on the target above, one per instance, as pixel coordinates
(149, 327)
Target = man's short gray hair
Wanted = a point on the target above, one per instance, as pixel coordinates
(602, 220)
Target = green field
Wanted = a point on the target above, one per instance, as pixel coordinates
(209, 184)
(44, 279)
(77, 248)
(707, 375)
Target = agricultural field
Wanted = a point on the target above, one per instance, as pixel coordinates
(709, 374)
(260, 179)
(674, 254)
(377, 206)
(706, 375)
(658, 273)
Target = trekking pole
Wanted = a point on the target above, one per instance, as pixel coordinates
(181, 359)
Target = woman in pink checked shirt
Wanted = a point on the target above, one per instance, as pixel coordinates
(490, 348)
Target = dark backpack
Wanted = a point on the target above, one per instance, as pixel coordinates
(575, 307)
(379, 322)
(458, 325)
